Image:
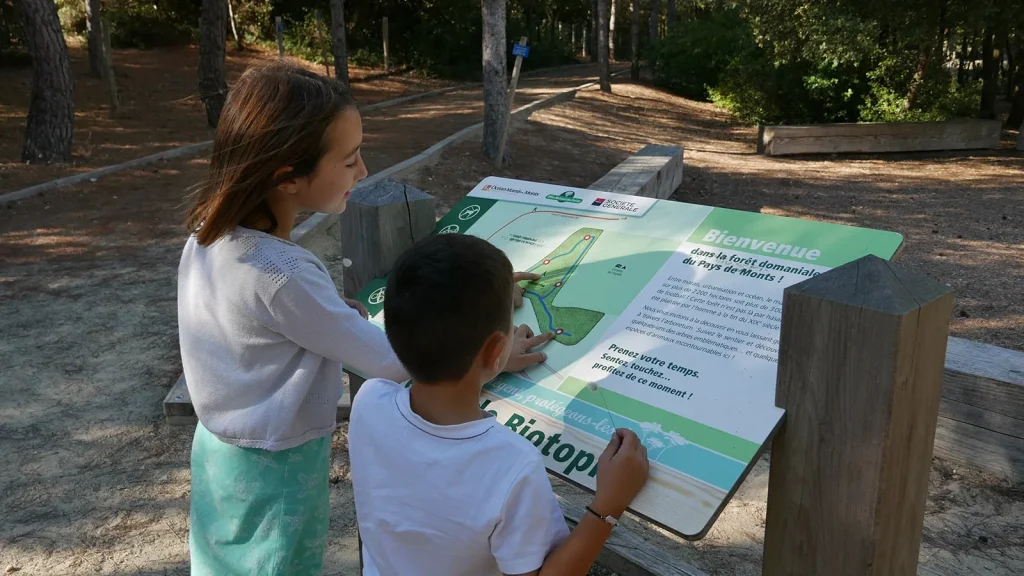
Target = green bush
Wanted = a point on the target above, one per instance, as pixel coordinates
(691, 60)
(141, 24)
(310, 39)
(72, 16)
(11, 31)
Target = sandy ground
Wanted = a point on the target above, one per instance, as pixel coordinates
(160, 108)
(94, 482)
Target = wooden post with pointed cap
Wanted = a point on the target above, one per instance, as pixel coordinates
(860, 374)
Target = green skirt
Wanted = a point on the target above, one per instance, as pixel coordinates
(258, 512)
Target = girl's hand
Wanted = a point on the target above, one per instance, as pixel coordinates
(524, 341)
(517, 290)
(357, 306)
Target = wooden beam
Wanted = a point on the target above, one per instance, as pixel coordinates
(879, 137)
(382, 221)
(860, 374)
(653, 172)
(981, 416)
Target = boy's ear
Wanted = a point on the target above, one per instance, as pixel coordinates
(491, 353)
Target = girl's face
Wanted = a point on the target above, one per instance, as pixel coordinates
(327, 189)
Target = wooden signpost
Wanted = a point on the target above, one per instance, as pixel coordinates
(520, 51)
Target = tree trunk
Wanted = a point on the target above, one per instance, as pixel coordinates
(92, 29)
(611, 32)
(51, 113)
(603, 10)
(961, 59)
(1017, 107)
(495, 65)
(1020, 138)
(212, 87)
(988, 77)
(234, 27)
(593, 31)
(655, 20)
(671, 14)
(338, 43)
(1011, 70)
(634, 40)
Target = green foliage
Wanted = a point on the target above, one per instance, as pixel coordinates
(799, 61)
(691, 60)
(142, 24)
(72, 16)
(11, 33)
(253, 19)
(310, 38)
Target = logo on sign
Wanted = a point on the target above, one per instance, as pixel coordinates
(469, 212)
(567, 196)
(620, 205)
(377, 296)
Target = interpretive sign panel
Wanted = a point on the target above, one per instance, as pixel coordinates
(666, 319)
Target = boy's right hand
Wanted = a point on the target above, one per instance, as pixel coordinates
(621, 473)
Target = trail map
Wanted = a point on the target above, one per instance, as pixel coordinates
(673, 310)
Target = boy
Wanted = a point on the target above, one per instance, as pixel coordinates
(442, 488)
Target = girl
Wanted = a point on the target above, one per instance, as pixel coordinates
(263, 330)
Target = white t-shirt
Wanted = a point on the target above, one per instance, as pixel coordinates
(465, 500)
(263, 335)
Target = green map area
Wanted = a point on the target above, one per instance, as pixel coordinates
(570, 325)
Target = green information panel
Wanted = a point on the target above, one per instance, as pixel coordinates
(672, 310)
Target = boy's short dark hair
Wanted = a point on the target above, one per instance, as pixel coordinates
(445, 297)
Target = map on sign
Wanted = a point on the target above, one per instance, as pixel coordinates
(673, 310)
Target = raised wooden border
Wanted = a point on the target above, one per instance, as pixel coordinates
(875, 137)
(653, 172)
(981, 414)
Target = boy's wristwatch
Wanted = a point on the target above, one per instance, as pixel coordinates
(611, 520)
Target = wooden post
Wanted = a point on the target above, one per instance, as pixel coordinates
(860, 373)
(279, 26)
(387, 51)
(108, 68)
(382, 220)
(508, 108)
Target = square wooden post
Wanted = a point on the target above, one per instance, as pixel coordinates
(382, 220)
(860, 372)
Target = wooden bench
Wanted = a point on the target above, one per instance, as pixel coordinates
(878, 137)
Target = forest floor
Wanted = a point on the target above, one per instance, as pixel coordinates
(93, 479)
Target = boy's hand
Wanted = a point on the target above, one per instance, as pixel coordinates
(517, 290)
(358, 307)
(524, 341)
(621, 473)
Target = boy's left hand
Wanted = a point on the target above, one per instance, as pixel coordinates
(524, 341)
(517, 290)
(358, 307)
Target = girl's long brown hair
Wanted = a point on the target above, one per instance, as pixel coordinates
(276, 115)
